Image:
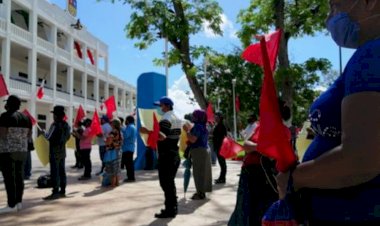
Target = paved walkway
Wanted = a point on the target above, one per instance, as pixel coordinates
(128, 204)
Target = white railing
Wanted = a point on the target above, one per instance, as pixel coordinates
(48, 92)
(79, 100)
(45, 45)
(91, 103)
(63, 96)
(21, 87)
(21, 33)
(3, 24)
(91, 69)
(2, 11)
(79, 62)
(102, 73)
(63, 54)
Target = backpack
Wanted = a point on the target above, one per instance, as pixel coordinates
(44, 181)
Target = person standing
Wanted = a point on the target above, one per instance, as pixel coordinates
(168, 155)
(58, 135)
(15, 130)
(106, 129)
(114, 141)
(85, 143)
(129, 145)
(28, 161)
(251, 127)
(197, 136)
(219, 133)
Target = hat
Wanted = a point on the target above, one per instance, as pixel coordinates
(13, 101)
(58, 110)
(164, 100)
(105, 118)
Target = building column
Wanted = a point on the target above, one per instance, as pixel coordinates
(106, 89)
(53, 77)
(96, 92)
(32, 61)
(84, 88)
(130, 101)
(124, 101)
(5, 65)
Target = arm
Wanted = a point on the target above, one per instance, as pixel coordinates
(356, 160)
(249, 146)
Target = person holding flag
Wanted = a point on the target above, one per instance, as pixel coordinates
(85, 143)
(168, 155)
(58, 135)
(218, 134)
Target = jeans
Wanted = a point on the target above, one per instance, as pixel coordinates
(13, 173)
(86, 160)
(222, 163)
(102, 151)
(28, 165)
(58, 175)
(127, 162)
(167, 170)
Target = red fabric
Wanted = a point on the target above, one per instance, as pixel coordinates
(273, 140)
(230, 148)
(40, 90)
(154, 135)
(79, 50)
(110, 104)
(3, 87)
(95, 127)
(32, 119)
(65, 118)
(101, 107)
(237, 104)
(89, 54)
(210, 114)
(253, 52)
(80, 115)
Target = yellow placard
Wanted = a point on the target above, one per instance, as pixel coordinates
(146, 120)
(182, 141)
(71, 143)
(42, 149)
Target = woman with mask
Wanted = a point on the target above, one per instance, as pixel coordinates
(339, 174)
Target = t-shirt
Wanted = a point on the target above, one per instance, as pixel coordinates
(129, 138)
(361, 74)
(170, 126)
(200, 131)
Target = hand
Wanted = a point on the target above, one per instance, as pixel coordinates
(282, 184)
(161, 137)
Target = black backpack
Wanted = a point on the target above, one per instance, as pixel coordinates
(44, 181)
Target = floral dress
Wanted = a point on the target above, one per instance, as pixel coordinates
(113, 144)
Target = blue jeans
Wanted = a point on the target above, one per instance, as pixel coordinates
(58, 175)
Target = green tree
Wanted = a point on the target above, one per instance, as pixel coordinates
(175, 20)
(295, 17)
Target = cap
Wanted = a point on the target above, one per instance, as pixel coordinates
(164, 100)
(13, 101)
(58, 110)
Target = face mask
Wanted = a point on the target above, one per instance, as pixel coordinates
(160, 112)
(344, 31)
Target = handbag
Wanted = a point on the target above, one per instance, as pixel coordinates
(110, 155)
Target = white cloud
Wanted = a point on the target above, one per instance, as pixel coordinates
(226, 26)
(180, 93)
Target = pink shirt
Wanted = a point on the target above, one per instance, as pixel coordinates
(86, 139)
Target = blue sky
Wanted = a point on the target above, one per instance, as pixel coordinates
(107, 21)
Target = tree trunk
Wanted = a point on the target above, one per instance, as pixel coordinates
(198, 94)
(283, 58)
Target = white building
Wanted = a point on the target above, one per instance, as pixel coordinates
(39, 41)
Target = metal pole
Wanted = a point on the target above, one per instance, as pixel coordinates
(234, 105)
(205, 77)
(340, 60)
(166, 66)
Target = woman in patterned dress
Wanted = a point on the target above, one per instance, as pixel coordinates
(113, 144)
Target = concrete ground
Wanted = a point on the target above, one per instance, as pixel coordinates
(128, 204)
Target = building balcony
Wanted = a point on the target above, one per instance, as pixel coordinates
(63, 55)
(3, 26)
(21, 35)
(63, 96)
(20, 87)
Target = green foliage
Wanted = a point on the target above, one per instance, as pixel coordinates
(301, 17)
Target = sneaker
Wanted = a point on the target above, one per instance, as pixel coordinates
(53, 196)
(165, 214)
(19, 206)
(8, 209)
(84, 178)
(198, 196)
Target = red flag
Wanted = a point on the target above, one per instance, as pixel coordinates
(32, 119)
(237, 103)
(273, 140)
(3, 87)
(95, 127)
(230, 148)
(79, 50)
(110, 104)
(210, 114)
(253, 53)
(40, 90)
(65, 118)
(80, 115)
(154, 135)
(89, 54)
